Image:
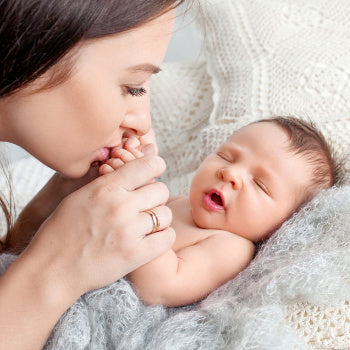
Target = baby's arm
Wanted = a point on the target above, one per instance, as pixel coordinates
(190, 274)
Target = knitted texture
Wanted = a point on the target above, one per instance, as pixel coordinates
(278, 58)
(323, 327)
(181, 102)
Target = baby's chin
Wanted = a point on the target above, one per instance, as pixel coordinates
(204, 222)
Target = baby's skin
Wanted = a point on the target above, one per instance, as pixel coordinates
(239, 195)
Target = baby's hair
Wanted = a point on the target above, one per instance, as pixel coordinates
(308, 141)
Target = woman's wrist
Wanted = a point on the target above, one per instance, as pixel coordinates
(42, 206)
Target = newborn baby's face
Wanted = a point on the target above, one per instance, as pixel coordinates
(251, 184)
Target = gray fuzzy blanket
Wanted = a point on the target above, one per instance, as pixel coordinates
(307, 260)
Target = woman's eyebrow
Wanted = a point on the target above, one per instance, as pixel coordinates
(145, 67)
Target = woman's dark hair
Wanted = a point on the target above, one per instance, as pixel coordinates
(37, 34)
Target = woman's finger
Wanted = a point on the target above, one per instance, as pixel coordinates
(157, 243)
(150, 196)
(158, 218)
(138, 172)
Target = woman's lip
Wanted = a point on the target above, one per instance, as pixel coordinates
(104, 154)
(210, 204)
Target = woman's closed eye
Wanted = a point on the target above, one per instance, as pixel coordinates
(136, 91)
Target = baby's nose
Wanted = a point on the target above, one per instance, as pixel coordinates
(231, 175)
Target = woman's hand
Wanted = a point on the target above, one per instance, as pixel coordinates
(58, 187)
(100, 232)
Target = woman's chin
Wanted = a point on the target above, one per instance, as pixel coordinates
(74, 172)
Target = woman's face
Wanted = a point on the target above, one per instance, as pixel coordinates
(73, 124)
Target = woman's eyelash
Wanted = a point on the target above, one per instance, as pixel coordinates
(136, 91)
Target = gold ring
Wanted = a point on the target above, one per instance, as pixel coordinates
(155, 219)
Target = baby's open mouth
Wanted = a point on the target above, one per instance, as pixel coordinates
(214, 200)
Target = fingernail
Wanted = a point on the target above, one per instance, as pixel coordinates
(148, 149)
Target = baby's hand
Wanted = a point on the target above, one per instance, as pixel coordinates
(130, 151)
(132, 147)
(149, 141)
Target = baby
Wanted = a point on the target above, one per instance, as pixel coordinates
(239, 195)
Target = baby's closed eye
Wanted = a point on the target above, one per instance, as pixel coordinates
(262, 186)
(225, 156)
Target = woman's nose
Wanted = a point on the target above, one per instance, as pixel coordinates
(229, 174)
(138, 119)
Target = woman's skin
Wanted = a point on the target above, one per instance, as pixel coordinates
(98, 233)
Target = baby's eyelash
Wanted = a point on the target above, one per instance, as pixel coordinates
(262, 187)
(136, 91)
(224, 156)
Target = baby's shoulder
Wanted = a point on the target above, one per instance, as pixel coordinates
(175, 199)
(231, 239)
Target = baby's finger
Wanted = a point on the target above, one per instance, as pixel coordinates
(123, 155)
(150, 137)
(149, 149)
(132, 142)
(139, 172)
(115, 163)
(135, 151)
(105, 169)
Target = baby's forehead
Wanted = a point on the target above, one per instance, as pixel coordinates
(260, 135)
(259, 129)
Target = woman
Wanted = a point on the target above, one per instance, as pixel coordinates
(74, 81)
